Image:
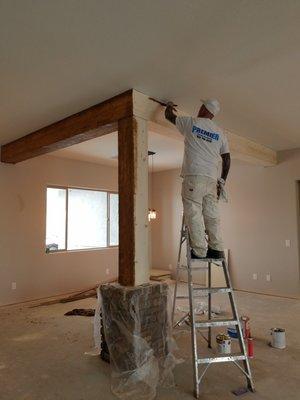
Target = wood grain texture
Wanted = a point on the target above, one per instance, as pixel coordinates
(133, 202)
(95, 121)
(126, 201)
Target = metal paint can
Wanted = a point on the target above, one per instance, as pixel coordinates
(278, 338)
(224, 343)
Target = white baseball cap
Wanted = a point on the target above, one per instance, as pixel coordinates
(212, 105)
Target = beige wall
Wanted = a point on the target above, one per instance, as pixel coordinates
(262, 213)
(22, 230)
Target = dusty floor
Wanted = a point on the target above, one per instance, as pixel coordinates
(42, 355)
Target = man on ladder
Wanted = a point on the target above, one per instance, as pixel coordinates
(204, 145)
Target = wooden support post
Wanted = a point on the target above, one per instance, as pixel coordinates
(133, 203)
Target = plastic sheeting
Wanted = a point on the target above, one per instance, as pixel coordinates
(137, 329)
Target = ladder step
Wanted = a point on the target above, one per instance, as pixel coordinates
(212, 323)
(213, 290)
(225, 358)
(208, 260)
(192, 267)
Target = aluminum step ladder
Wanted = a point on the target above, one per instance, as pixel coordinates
(241, 359)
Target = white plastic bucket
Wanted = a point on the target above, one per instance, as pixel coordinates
(224, 343)
(278, 338)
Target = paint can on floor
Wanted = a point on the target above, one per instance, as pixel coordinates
(278, 338)
(224, 343)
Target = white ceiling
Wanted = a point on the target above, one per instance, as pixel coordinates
(61, 56)
(104, 150)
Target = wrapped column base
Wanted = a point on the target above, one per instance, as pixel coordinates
(137, 332)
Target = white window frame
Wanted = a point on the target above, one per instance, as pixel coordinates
(66, 188)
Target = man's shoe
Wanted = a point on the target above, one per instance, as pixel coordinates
(215, 254)
(195, 257)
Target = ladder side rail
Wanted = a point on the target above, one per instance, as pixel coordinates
(181, 241)
(209, 304)
(240, 332)
(193, 335)
(192, 316)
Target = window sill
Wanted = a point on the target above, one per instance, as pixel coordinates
(82, 250)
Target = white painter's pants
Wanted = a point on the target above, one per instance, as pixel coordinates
(201, 212)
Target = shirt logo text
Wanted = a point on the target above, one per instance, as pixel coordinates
(208, 136)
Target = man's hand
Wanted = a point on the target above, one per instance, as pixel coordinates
(171, 104)
(169, 112)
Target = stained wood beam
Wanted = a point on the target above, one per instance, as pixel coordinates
(87, 124)
(133, 201)
(241, 148)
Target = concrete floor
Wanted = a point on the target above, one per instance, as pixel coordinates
(42, 355)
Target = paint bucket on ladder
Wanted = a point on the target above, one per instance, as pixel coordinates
(278, 338)
(224, 343)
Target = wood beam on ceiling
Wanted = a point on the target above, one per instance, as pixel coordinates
(88, 124)
(241, 148)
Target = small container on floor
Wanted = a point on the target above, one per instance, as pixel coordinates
(278, 338)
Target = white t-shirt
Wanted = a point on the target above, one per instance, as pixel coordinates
(204, 142)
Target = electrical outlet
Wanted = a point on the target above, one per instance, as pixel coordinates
(254, 276)
(107, 271)
(13, 285)
(287, 243)
(268, 277)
